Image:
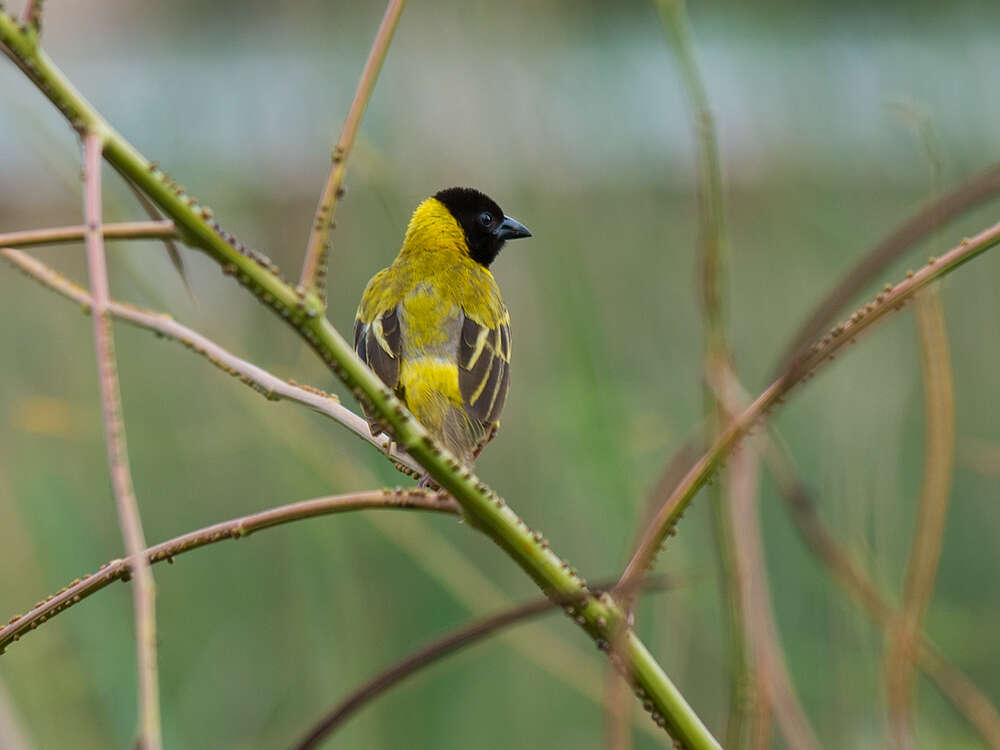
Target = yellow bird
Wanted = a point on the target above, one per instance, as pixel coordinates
(433, 325)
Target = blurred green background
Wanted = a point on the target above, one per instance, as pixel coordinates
(571, 116)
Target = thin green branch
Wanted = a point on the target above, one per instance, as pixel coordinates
(712, 263)
(144, 593)
(939, 459)
(891, 299)
(259, 380)
(599, 617)
(711, 218)
(130, 230)
(314, 267)
(237, 528)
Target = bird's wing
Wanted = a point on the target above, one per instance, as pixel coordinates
(484, 367)
(377, 342)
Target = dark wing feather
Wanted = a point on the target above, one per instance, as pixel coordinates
(378, 345)
(484, 369)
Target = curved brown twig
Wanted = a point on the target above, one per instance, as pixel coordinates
(964, 198)
(313, 277)
(772, 682)
(143, 593)
(126, 230)
(237, 528)
(925, 549)
(261, 381)
(440, 648)
(892, 298)
(958, 689)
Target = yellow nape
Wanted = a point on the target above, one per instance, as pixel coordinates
(433, 228)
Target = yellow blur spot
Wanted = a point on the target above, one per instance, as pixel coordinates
(45, 415)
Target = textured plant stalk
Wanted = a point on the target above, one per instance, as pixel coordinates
(131, 230)
(314, 267)
(961, 200)
(144, 594)
(761, 632)
(891, 299)
(269, 386)
(939, 459)
(599, 617)
(237, 528)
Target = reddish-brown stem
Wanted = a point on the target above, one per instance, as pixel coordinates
(130, 230)
(437, 650)
(939, 454)
(617, 712)
(313, 278)
(965, 197)
(773, 683)
(891, 299)
(114, 434)
(237, 528)
(32, 15)
(963, 694)
(268, 385)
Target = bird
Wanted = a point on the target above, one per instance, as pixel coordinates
(433, 325)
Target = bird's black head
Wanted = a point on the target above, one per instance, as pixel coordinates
(485, 226)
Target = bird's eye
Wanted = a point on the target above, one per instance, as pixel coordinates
(485, 218)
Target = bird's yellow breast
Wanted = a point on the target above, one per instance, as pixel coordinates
(433, 273)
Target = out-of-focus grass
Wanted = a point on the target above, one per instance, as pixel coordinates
(257, 637)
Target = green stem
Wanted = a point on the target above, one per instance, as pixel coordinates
(599, 616)
(712, 261)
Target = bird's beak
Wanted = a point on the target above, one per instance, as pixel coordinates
(510, 229)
